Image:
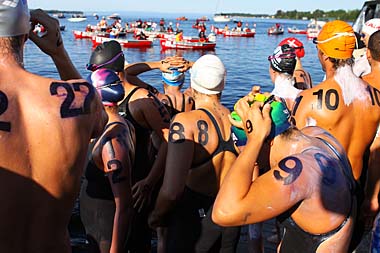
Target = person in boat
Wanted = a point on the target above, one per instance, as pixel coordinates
(162, 25)
(179, 36)
(370, 207)
(88, 28)
(239, 26)
(44, 145)
(170, 29)
(201, 139)
(140, 35)
(336, 103)
(106, 205)
(309, 179)
(226, 28)
(246, 28)
(149, 117)
(301, 77)
(103, 24)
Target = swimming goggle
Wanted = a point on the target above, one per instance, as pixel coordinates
(337, 35)
(93, 66)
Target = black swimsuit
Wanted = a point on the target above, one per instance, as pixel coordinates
(295, 239)
(222, 144)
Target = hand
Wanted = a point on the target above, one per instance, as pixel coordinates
(50, 43)
(255, 117)
(141, 194)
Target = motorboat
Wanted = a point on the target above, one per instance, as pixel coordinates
(221, 18)
(313, 28)
(276, 30)
(295, 30)
(127, 43)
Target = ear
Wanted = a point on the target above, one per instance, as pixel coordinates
(368, 54)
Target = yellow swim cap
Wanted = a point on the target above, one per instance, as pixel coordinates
(336, 40)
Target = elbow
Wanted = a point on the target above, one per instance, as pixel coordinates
(224, 217)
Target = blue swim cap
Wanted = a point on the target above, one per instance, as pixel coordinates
(108, 85)
(175, 78)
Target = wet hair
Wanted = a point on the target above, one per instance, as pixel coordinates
(341, 62)
(374, 45)
(13, 46)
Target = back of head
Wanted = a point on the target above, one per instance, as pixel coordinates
(108, 85)
(296, 44)
(371, 26)
(107, 55)
(336, 40)
(14, 18)
(283, 59)
(208, 75)
(374, 45)
(175, 78)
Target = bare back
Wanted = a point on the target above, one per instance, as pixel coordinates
(207, 162)
(351, 118)
(46, 127)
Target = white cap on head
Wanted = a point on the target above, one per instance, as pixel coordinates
(208, 75)
(14, 18)
(371, 26)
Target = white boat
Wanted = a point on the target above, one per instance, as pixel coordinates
(313, 28)
(221, 18)
(77, 18)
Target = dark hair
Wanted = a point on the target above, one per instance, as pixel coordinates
(341, 62)
(13, 46)
(374, 45)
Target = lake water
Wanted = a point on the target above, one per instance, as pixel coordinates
(245, 58)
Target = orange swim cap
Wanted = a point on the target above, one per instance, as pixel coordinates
(336, 40)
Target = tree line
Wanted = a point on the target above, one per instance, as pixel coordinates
(349, 15)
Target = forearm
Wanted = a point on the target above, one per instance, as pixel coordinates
(372, 187)
(141, 67)
(237, 183)
(158, 167)
(65, 66)
(121, 223)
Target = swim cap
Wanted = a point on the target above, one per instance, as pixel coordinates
(371, 26)
(107, 55)
(283, 59)
(175, 78)
(208, 75)
(108, 85)
(14, 18)
(336, 40)
(280, 116)
(295, 44)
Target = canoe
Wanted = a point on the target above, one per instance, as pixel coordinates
(97, 40)
(172, 44)
(275, 31)
(89, 35)
(295, 30)
(238, 34)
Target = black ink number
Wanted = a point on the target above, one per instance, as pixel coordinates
(328, 99)
(4, 126)
(116, 178)
(203, 132)
(248, 125)
(176, 129)
(294, 172)
(66, 111)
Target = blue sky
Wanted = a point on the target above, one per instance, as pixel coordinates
(196, 6)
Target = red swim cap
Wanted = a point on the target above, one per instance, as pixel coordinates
(296, 44)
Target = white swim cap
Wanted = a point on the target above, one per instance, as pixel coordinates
(208, 75)
(14, 18)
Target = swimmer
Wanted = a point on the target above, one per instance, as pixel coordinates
(46, 127)
(201, 140)
(106, 205)
(309, 179)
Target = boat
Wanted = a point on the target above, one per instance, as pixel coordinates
(89, 35)
(369, 10)
(127, 43)
(231, 33)
(221, 18)
(183, 18)
(62, 27)
(77, 18)
(202, 19)
(295, 30)
(313, 28)
(172, 44)
(276, 30)
(61, 15)
(114, 16)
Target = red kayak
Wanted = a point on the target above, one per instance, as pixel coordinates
(205, 45)
(96, 40)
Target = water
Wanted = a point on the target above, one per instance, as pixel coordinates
(245, 58)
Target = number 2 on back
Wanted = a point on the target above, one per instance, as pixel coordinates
(4, 126)
(66, 110)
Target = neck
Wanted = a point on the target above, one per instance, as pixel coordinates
(205, 101)
(172, 89)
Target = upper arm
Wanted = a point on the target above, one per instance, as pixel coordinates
(274, 192)
(179, 157)
(156, 115)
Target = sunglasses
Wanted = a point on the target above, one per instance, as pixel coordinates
(93, 66)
